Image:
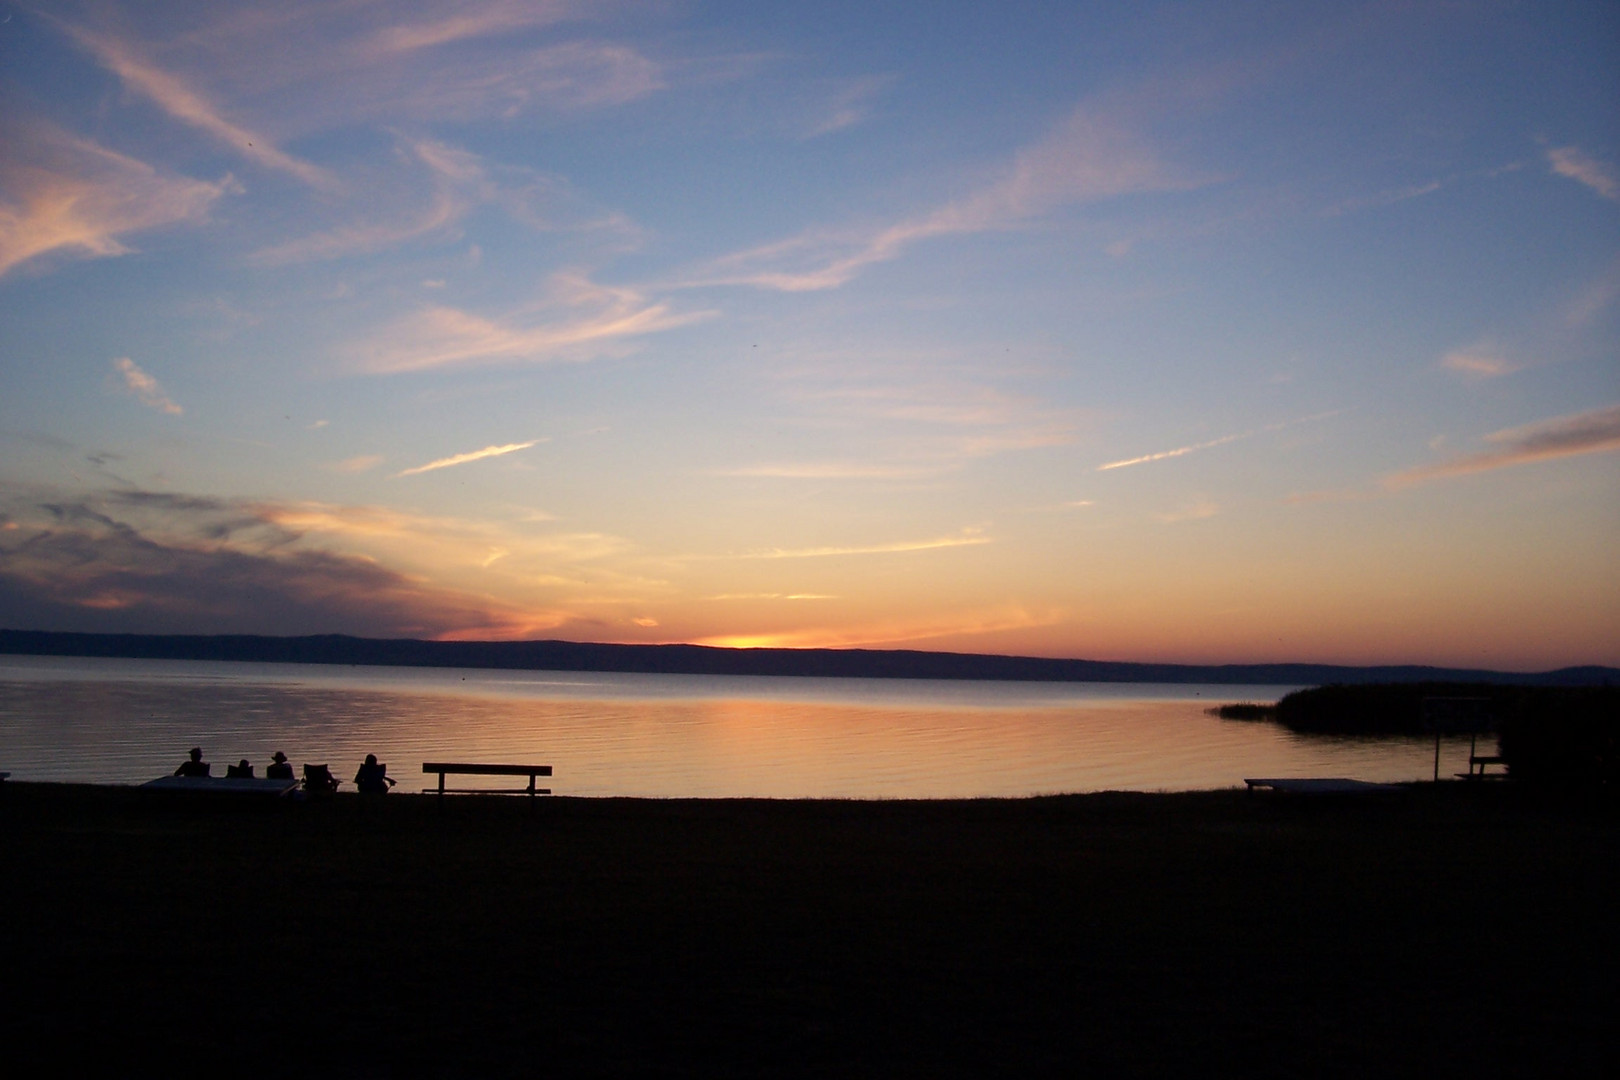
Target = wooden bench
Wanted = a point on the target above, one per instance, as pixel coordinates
(447, 768)
(1477, 764)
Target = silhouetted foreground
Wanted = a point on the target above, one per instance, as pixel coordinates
(1399, 708)
(707, 660)
(1455, 930)
(1555, 735)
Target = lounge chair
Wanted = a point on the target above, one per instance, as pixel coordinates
(318, 780)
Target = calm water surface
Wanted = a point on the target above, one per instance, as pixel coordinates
(127, 721)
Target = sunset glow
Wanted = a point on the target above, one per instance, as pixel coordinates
(1210, 333)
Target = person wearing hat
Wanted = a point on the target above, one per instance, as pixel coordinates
(279, 768)
(195, 766)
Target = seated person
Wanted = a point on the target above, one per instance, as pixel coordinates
(242, 771)
(318, 780)
(196, 766)
(373, 779)
(279, 768)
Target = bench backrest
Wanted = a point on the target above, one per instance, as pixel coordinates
(475, 769)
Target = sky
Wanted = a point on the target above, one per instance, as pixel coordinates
(1188, 332)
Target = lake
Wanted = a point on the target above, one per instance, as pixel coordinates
(128, 721)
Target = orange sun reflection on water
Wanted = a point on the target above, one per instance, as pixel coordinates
(658, 736)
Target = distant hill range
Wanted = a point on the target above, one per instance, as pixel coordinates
(706, 660)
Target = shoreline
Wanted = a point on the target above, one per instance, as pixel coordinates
(685, 659)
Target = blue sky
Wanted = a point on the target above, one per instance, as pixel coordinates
(1184, 331)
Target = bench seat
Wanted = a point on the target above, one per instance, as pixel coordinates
(467, 768)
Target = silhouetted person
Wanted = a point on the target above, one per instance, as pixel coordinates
(318, 780)
(279, 768)
(240, 771)
(373, 779)
(195, 766)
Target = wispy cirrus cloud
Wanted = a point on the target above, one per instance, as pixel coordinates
(297, 69)
(63, 194)
(1196, 510)
(1484, 360)
(188, 105)
(449, 203)
(1593, 300)
(435, 545)
(966, 538)
(1385, 198)
(1089, 157)
(433, 85)
(917, 419)
(965, 626)
(441, 336)
(1179, 451)
(1059, 508)
(458, 182)
(831, 470)
(916, 396)
(144, 388)
(357, 464)
(1406, 192)
(848, 106)
(1591, 432)
(1567, 330)
(470, 21)
(1576, 164)
(1182, 451)
(467, 458)
(570, 76)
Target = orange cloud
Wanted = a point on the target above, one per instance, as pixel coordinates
(1178, 452)
(358, 464)
(475, 455)
(441, 336)
(92, 567)
(62, 193)
(967, 538)
(888, 633)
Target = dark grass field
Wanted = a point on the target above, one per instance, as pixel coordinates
(1452, 929)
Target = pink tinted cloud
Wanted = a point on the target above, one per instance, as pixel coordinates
(1592, 432)
(1087, 158)
(66, 195)
(1576, 164)
(144, 387)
